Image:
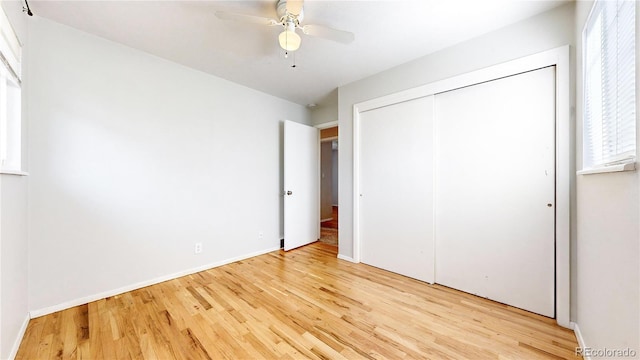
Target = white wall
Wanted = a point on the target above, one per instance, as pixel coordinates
(13, 228)
(546, 31)
(608, 255)
(13, 271)
(327, 110)
(133, 159)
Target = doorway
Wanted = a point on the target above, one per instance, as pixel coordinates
(329, 186)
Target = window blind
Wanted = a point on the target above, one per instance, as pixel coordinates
(610, 84)
(10, 48)
(10, 96)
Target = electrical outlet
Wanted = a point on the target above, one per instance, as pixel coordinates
(198, 248)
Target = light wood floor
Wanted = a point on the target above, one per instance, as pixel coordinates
(301, 304)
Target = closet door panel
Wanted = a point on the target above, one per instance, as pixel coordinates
(396, 188)
(495, 190)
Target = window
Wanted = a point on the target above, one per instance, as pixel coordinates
(10, 98)
(610, 84)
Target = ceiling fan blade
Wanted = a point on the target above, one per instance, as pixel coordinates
(328, 33)
(294, 7)
(246, 18)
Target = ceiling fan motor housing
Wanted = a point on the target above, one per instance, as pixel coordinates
(281, 10)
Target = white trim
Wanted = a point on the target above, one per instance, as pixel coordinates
(356, 183)
(564, 171)
(630, 166)
(319, 189)
(327, 125)
(87, 299)
(13, 172)
(327, 219)
(581, 343)
(558, 57)
(21, 332)
(347, 258)
(434, 182)
(329, 139)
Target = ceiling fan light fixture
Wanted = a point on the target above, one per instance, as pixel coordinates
(289, 40)
(290, 15)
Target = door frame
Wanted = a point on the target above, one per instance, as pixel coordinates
(558, 57)
(327, 125)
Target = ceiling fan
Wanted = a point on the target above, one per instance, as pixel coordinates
(290, 16)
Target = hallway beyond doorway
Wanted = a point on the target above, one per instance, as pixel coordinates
(329, 229)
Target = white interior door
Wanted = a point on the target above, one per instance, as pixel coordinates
(301, 185)
(495, 182)
(396, 188)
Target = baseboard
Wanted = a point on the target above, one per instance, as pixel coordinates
(346, 258)
(16, 344)
(581, 343)
(87, 299)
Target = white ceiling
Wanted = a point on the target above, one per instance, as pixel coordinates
(388, 33)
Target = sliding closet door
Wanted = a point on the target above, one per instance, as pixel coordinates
(496, 190)
(396, 188)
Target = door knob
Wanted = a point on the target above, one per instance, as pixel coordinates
(289, 192)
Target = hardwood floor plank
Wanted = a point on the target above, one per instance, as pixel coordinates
(305, 303)
(197, 349)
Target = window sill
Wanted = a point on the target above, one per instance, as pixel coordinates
(13, 172)
(630, 166)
